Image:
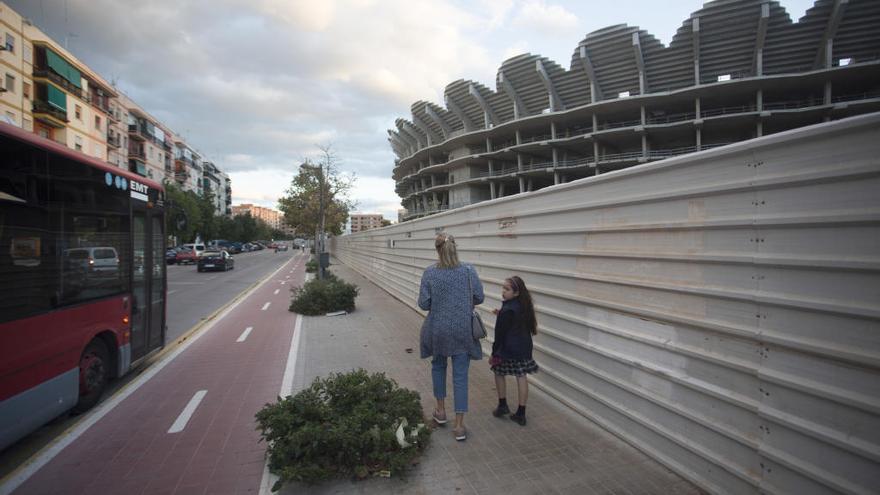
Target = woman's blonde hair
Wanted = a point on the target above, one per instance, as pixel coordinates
(445, 245)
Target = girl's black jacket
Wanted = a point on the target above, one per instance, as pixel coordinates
(512, 339)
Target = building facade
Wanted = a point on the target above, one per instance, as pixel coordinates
(46, 90)
(365, 221)
(735, 70)
(273, 218)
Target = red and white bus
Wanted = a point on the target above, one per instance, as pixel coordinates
(82, 278)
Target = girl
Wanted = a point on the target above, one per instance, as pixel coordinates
(512, 350)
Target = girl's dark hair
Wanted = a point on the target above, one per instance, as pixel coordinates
(525, 302)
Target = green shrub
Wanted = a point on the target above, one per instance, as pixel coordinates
(317, 297)
(312, 266)
(348, 424)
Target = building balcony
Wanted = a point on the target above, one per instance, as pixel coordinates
(44, 73)
(137, 154)
(102, 103)
(114, 141)
(136, 132)
(49, 114)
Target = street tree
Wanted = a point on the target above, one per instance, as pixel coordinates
(301, 204)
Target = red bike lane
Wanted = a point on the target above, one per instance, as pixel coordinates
(190, 428)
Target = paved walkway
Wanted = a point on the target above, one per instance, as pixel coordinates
(558, 452)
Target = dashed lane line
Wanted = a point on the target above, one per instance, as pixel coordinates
(266, 306)
(183, 419)
(277, 291)
(244, 335)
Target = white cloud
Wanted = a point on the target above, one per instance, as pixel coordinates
(546, 18)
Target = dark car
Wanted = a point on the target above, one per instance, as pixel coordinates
(216, 260)
(171, 256)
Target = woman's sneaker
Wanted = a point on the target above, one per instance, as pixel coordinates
(460, 434)
(500, 411)
(439, 418)
(519, 419)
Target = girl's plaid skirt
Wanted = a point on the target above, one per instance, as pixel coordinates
(516, 367)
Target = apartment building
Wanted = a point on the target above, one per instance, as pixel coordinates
(735, 70)
(365, 221)
(46, 90)
(218, 184)
(272, 217)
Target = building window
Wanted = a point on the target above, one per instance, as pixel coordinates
(27, 53)
(10, 116)
(77, 112)
(98, 122)
(78, 143)
(26, 90)
(10, 83)
(27, 124)
(10, 43)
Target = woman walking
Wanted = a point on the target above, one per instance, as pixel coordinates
(448, 291)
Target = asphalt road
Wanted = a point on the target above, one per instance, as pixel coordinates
(192, 297)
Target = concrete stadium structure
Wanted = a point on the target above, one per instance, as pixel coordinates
(735, 70)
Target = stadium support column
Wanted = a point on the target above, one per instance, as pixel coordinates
(759, 105)
(644, 134)
(595, 145)
(698, 124)
(695, 37)
(522, 184)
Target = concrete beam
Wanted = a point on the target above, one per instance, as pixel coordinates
(403, 142)
(409, 130)
(640, 62)
(439, 121)
(758, 54)
(555, 101)
(488, 113)
(587, 64)
(432, 137)
(519, 109)
(466, 122)
(824, 52)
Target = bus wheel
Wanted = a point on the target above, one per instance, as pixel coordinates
(94, 373)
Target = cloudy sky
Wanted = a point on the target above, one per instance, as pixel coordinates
(257, 85)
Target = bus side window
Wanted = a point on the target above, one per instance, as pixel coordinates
(26, 286)
(90, 232)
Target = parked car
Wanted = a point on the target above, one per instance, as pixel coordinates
(94, 261)
(216, 260)
(198, 248)
(280, 247)
(171, 256)
(186, 255)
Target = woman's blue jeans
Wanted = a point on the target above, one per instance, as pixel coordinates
(460, 365)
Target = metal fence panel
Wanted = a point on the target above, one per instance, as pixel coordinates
(720, 310)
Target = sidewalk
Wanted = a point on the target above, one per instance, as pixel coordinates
(558, 452)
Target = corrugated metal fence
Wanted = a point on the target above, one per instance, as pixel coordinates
(718, 311)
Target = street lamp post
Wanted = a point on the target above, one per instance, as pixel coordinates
(319, 229)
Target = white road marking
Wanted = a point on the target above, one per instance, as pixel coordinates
(283, 282)
(180, 422)
(171, 292)
(244, 335)
(269, 479)
(277, 290)
(287, 276)
(266, 306)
